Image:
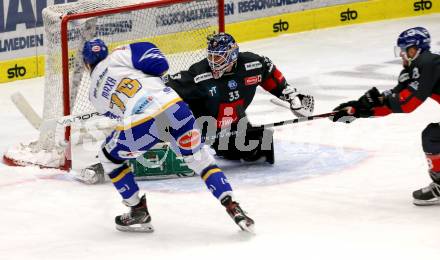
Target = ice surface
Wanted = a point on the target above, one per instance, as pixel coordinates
(337, 192)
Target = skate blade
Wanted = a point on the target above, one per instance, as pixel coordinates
(426, 202)
(142, 228)
(85, 181)
(247, 228)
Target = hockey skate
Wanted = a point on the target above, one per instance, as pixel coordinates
(238, 215)
(429, 195)
(137, 220)
(270, 155)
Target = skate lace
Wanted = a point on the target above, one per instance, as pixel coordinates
(125, 216)
(435, 188)
(236, 211)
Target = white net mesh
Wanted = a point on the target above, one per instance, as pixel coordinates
(179, 30)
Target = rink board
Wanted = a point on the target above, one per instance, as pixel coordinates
(271, 26)
(340, 15)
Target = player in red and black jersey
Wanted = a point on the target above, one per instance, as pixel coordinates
(222, 86)
(419, 80)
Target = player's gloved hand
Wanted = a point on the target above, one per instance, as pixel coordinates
(361, 108)
(300, 104)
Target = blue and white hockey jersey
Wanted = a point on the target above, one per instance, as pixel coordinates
(127, 83)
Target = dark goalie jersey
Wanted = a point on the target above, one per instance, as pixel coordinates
(419, 81)
(227, 98)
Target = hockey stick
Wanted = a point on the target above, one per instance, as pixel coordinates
(26, 110)
(296, 120)
(69, 120)
(271, 125)
(37, 122)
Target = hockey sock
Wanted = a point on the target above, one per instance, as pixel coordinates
(433, 162)
(123, 179)
(216, 181)
(434, 166)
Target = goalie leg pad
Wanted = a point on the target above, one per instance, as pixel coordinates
(234, 150)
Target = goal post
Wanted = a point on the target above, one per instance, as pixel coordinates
(178, 27)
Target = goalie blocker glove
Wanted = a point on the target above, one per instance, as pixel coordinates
(361, 108)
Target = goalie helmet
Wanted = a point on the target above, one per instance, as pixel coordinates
(222, 52)
(94, 51)
(414, 37)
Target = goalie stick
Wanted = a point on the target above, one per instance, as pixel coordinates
(280, 103)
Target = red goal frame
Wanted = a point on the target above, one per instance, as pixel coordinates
(65, 51)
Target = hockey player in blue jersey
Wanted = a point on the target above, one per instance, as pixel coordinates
(126, 85)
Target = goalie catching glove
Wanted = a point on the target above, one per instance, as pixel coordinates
(361, 108)
(301, 105)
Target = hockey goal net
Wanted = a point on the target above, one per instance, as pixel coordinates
(178, 27)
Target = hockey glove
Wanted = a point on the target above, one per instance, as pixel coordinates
(301, 105)
(361, 108)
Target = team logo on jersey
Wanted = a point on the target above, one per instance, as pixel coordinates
(153, 53)
(253, 65)
(202, 77)
(190, 139)
(249, 81)
(232, 84)
(141, 105)
(213, 91)
(166, 90)
(228, 113)
(269, 63)
(176, 76)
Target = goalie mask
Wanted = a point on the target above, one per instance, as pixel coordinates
(222, 53)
